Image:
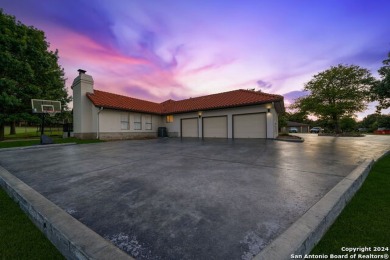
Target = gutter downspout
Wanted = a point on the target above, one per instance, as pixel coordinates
(97, 132)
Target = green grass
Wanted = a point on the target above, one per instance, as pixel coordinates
(21, 142)
(19, 238)
(365, 220)
(28, 136)
(31, 132)
(21, 130)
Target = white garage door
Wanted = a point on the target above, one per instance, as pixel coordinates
(189, 127)
(215, 127)
(250, 126)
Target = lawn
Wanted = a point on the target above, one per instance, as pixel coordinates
(31, 132)
(57, 140)
(29, 135)
(19, 238)
(365, 220)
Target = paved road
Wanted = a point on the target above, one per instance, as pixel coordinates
(173, 199)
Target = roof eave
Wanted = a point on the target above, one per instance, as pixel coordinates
(230, 106)
(126, 109)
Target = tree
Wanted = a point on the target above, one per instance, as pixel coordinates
(337, 92)
(384, 121)
(348, 124)
(28, 69)
(381, 90)
(298, 116)
(373, 121)
(282, 121)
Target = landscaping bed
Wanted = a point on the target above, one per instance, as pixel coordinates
(342, 134)
(21, 142)
(289, 138)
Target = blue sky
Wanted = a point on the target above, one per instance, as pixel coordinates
(159, 50)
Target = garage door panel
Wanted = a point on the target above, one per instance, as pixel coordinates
(215, 127)
(250, 126)
(189, 127)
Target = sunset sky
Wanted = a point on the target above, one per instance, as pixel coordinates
(160, 49)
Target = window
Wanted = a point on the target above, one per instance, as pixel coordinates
(137, 122)
(169, 118)
(125, 121)
(148, 122)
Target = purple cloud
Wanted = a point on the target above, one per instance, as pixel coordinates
(159, 50)
(80, 16)
(290, 97)
(217, 63)
(263, 85)
(139, 91)
(367, 57)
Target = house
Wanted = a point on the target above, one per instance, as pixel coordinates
(302, 128)
(233, 114)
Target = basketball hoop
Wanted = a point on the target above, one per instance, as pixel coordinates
(48, 109)
(51, 113)
(45, 107)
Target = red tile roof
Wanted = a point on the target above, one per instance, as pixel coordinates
(233, 98)
(114, 101)
(221, 100)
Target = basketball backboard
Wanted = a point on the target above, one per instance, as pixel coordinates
(40, 106)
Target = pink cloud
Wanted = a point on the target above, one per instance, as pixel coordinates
(75, 47)
(114, 71)
(217, 64)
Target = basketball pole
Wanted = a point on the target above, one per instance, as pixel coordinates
(43, 127)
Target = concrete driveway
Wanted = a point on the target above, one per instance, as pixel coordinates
(191, 199)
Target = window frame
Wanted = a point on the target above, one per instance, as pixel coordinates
(148, 124)
(169, 119)
(127, 122)
(136, 123)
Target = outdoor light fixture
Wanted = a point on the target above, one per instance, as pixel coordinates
(268, 110)
(200, 114)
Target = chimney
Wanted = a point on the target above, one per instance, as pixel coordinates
(81, 71)
(83, 124)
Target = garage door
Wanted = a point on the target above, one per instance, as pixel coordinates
(215, 127)
(189, 127)
(250, 126)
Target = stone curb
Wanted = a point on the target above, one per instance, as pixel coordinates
(290, 140)
(34, 147)
(341, 135)
(72, 238)
(304, 234)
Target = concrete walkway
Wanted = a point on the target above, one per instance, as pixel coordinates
(173, 199)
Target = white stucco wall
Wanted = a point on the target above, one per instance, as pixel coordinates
(272, 129)
(110, 122)
(275, 122)
(272, 122)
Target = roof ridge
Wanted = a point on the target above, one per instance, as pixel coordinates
(167, 101)
(260, 93)
(207, 95)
